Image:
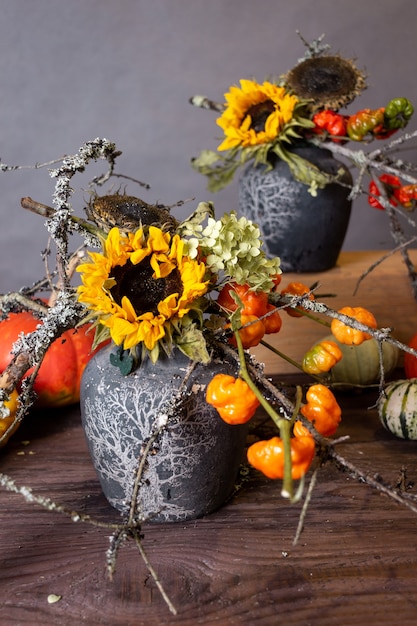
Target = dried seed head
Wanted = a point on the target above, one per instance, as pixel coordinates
(128, 213)
(330, 82)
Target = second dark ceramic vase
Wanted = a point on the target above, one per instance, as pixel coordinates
(307, 232)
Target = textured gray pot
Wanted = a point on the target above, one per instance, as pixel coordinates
(195, 460)
(305, 231)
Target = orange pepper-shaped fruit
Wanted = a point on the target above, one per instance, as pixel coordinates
(254, 302)
(351, 336)
(273, 321)
(232, 397)
(251, 332)
(299, 430)
(322, 410)
(321, 357)
(406, 195)
(296, 289)
(268, 456)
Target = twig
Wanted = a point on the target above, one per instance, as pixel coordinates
(18, 301)
(375, 483)
(153, 573)
(11, 168)
(116, 541)
(203, 102)
(133, 180)
(10, 485)
(380, 334)
(30, 349)
(306, 503)
(383, 258)
(161, 426)
(120, 530)
(369, 160)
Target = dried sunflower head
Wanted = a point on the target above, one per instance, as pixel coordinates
(328, 81)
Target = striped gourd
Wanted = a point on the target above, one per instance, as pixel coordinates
(397, 408)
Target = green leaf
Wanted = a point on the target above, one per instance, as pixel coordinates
(207, 158)
(101, 334)
(192, 343)
(302, 170)
(123, 359)
(203, 210)
(218, 169)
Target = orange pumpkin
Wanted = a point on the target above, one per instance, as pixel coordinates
(58, 380)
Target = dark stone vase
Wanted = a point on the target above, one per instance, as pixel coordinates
(194, 462)
(307, 232)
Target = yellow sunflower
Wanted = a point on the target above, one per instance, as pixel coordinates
(255, 114)
(140, 285)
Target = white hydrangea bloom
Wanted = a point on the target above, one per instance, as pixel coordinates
(191, 247)
(233, 247)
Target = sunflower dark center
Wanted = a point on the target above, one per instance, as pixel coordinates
(136, 282)
(323, 76)
(323, 80)
(259, 114)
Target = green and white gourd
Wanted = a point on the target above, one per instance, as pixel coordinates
(397, 408)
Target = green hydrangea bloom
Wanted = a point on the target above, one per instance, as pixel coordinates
(232, 246)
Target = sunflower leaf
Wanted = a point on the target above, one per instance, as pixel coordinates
(218, 169)
(122, 359)
(192, 343)
(101, 335)
(304, 171)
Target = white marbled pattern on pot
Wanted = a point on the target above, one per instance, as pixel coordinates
(194, 462)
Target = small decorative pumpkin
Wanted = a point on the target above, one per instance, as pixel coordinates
(359, 364)
(397, 408)
(58, 380)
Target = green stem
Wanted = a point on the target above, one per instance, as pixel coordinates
(289, 359)
(244, 374)
(287, 490)
(284, 425)
(282, 355)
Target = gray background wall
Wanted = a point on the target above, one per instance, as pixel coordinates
(124, 70)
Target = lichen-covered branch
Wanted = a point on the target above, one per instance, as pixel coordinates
(64, 311)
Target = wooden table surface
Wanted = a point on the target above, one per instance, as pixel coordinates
(355, 563)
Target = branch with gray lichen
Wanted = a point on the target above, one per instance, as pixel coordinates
(66, 312)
